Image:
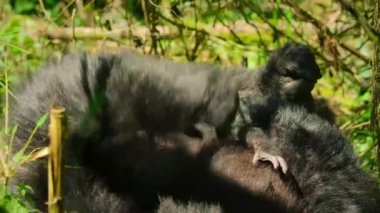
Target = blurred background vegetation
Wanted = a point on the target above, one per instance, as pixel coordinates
(343, 33)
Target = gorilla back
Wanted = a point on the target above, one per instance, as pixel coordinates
(126, 92)
(106, 95)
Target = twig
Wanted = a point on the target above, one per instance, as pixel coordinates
(73, 23)
(357, 126)
(6, 104)
(301, 13)
(47, 16)
(367, 150)
(237, 38)
(324, 58)
(199, 37)
(256, 28)
(371, 32)
(66, 33)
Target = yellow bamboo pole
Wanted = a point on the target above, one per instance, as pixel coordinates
(56, 132)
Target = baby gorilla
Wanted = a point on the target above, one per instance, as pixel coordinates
(322, 160)
(290, 73)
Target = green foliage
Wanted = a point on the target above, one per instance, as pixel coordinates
(362, 137)
(24, 6)
(20, 157)
(134, 7)
(10, 203)
(30, 6)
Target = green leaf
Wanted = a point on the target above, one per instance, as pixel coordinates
(24, 189)
(19, 157)
(25, 6)
(42, 120)
(10, 204)
(2, 191)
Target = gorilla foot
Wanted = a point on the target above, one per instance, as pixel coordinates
(277, 161)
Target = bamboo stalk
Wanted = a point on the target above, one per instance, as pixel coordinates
(56, 130)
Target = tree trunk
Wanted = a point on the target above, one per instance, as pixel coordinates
(375, 117)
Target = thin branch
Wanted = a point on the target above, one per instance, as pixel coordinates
(324, 58)
(47, 16)
(256, 28)
(301, 13)
(371, 32)
(233, 33)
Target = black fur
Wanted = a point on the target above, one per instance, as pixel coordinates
(320, 157)
(290, 73)
(114, 101)
(195, 176)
